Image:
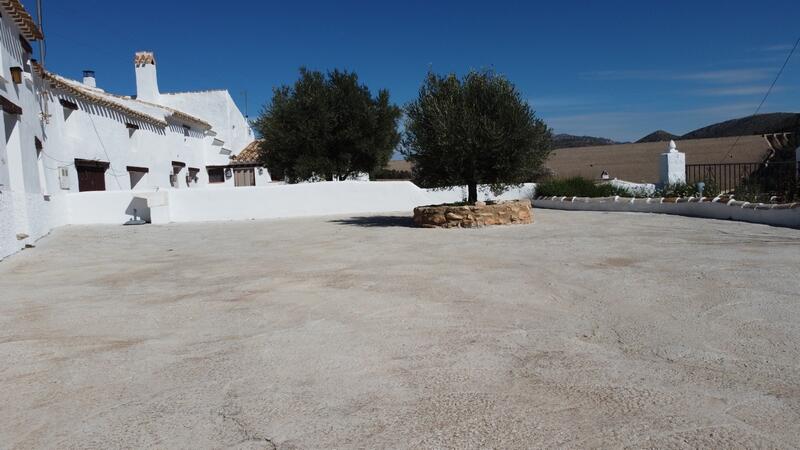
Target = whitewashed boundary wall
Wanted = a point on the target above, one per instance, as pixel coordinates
(459, 194)
(302, 200)
(217, 204)
(26, 218)
(787, 215)
(280, 201)
(106, 207)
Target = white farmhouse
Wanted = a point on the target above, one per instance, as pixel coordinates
(63, 136)
(111, 142)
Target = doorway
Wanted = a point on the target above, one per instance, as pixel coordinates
(244, 177)
(91, 175)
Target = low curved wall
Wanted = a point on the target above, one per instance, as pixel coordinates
(783, 215)
(474, 216)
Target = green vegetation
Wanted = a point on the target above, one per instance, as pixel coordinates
(474, 130)
(679, 190)
(572, 141)
(327, 126)
(577, 187)
(390, 174)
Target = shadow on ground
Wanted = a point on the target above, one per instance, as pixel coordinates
(377, 221)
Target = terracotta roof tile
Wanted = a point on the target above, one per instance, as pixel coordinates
(76, 90)
(23, 19)
(142, 110)
(249, 154)
(142, 58)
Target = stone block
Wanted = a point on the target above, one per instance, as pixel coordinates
(478, 215)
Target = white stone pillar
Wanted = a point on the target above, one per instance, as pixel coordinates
(673, 166)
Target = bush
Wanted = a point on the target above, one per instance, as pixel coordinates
(391, 174)
(677, 190)
(475, 130)
(577, 187)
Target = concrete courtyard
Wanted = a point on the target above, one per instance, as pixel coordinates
(583, 330)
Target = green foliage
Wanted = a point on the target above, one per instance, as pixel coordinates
(577, 187)
(677, 190)
(775, 180)
(327, 125)
(390, 174)
(471, 131)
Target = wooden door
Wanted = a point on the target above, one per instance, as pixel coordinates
(91, 178)
(244, 177)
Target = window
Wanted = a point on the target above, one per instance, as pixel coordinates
(177, 167)
(216, 175)
(16, 74)
(25, 44)
(68, 104)
(9, 106)
(191, 178)
(137, 175)
(40, 165)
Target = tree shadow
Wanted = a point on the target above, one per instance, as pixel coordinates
(377, 221)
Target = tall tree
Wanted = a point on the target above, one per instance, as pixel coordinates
(327, 126)
(471, 131)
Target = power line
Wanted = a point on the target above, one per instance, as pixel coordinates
(769, 91)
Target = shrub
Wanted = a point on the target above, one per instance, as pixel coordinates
(327, 126)
(391, 174)
(577, 187)
(474, 130)
(677, 190)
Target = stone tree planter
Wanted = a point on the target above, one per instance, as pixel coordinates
(474, 216)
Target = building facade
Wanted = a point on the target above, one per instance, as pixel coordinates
(65, 136)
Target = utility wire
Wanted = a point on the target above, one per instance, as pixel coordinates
(769, 91)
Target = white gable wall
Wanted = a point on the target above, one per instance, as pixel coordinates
(218, 109)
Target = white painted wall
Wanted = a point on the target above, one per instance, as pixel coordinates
(783, 215)
(89, 208)
(96, 133)
(305, 199)
(217, 108)
(459, 194)
(298, 200)
(8, 226)
(23, 207)
(635, 189)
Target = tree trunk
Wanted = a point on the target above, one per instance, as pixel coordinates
(473, 193)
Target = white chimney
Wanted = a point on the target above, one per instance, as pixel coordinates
(88, 78)
(146, 77)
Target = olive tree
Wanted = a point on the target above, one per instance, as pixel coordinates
(327, 126)
(471, 131)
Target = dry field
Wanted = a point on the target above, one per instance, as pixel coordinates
(583, 330)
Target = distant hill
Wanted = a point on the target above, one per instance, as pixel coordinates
(745, 126)
(570, 141)
(658, 136)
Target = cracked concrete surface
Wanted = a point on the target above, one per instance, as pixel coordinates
(583, 330)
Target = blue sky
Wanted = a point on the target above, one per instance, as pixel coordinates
(613, 69)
